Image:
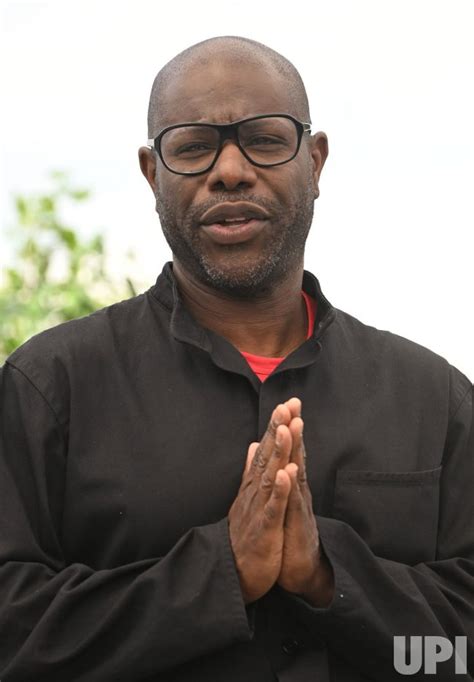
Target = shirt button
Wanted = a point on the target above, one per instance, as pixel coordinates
(290, 646)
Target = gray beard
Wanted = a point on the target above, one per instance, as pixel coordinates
(284, 254)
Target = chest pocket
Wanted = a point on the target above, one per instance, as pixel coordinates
(396, 513)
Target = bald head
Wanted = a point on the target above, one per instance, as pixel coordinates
(234, 49)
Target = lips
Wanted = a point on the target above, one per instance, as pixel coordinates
(234, 213)
(233, 223)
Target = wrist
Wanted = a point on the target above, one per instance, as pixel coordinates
(320, 589)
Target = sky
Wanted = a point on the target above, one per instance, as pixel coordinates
(389, 81)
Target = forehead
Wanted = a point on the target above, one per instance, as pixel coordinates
(221, 90)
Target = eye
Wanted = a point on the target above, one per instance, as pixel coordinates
(264, 140)
(193, 148)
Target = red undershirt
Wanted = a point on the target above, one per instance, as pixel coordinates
(263, 366)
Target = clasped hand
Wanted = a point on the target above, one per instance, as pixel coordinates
(273, 530)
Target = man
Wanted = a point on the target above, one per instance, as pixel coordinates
(164, 517)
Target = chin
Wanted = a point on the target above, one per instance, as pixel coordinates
(242, 280)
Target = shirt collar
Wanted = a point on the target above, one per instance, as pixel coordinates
(185, 328)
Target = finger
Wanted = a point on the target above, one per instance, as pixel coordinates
(280, 415)
(275, 508)
(279, 458)
(294, 405)
(252, 449)
(295, 505)
(298, 453)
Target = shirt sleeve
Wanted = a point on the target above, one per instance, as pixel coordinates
(376, 598)
(61, 621)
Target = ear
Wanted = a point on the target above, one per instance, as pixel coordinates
(319, 152)
(147, 159)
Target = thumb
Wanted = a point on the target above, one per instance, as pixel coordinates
(250, 455)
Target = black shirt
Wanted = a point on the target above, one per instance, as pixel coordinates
(123, 438)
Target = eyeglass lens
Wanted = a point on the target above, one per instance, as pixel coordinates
(268, 141)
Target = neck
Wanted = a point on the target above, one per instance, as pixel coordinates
(272, 325)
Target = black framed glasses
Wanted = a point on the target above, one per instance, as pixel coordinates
(265, 140)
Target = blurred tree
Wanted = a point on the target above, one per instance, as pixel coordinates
(56, 274)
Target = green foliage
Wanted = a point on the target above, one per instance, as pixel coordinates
(56, 274)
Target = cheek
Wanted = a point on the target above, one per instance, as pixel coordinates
(306, 167)
(171, 193)
(293, 187)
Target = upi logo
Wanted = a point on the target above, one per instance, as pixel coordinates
(430, 651)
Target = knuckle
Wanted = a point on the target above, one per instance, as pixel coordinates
(246, 476)
(299, 505)
(257, 461)
(272, 427)
(266, 482)
(276, 452)
(277, 494)
(269, 513)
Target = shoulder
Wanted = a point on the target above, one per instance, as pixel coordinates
(402, 362)
(57, 357)
(77, 335)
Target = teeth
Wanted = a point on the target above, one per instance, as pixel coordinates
(235, 220)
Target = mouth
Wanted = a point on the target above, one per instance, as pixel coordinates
(231, 223)
(234, 233)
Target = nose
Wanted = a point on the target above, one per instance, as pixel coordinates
(231, 170)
